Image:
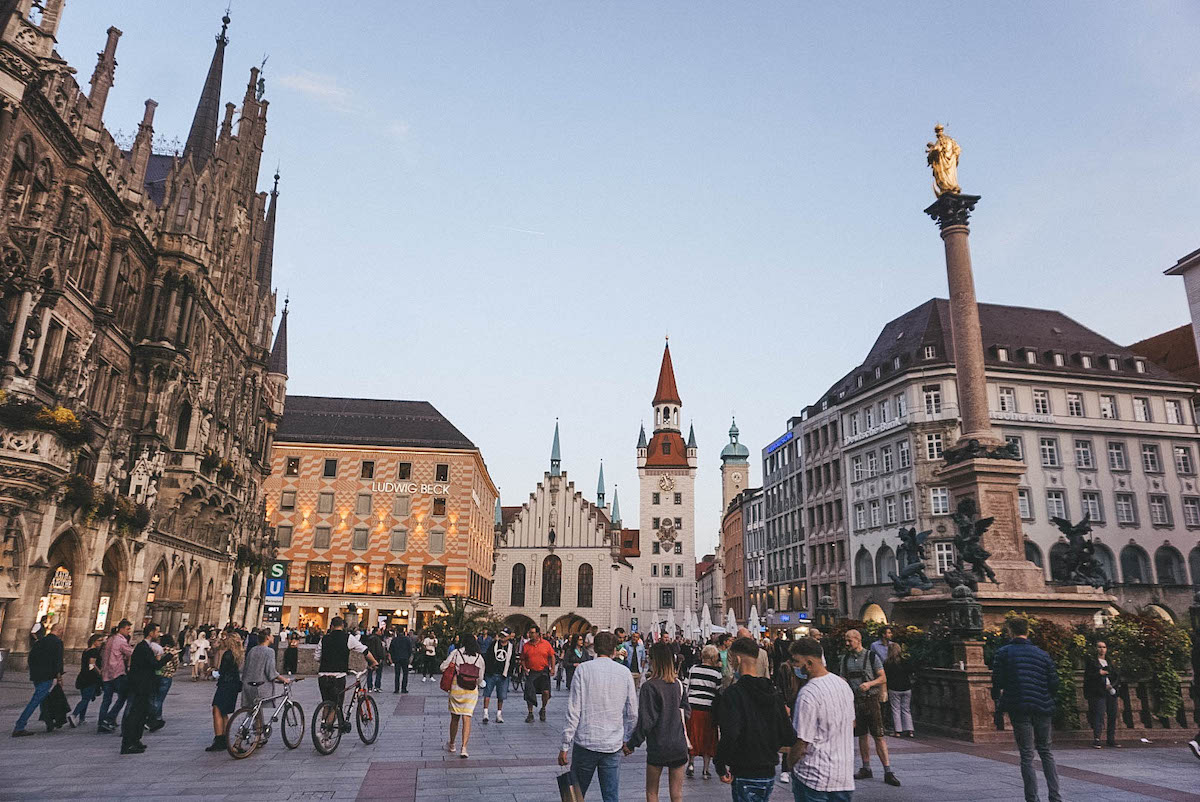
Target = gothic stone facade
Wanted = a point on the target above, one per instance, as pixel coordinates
(135, 322)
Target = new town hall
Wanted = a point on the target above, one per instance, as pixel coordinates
(565, 563)
(140, 391)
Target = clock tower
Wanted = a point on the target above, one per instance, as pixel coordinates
(667, 476)
(735, 468)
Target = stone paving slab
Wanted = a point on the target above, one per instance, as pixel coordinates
(512, 762)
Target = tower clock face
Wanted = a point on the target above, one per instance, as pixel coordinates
(666, 483)
(737, 477)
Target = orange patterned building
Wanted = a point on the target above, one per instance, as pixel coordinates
(383, 505)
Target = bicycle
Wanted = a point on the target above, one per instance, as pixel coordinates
(246, 731)
(328, 720)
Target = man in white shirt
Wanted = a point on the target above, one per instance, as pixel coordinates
(822, 758)
(602, 712)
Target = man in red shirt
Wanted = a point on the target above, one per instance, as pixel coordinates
(537, 658)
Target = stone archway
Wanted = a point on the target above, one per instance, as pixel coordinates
(519, 623)
(195, 591)
(63, 583)
(113, 583)
(569, 624)
(873, 613)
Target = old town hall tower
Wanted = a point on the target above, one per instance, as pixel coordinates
(667, 479)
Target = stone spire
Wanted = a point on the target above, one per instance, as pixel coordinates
(555, 454)
(203, 135)
(278, 361)
(143, 143)
(600, 487)
(102, 79)
(266, 253)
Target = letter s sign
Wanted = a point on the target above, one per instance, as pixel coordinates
(278, 569)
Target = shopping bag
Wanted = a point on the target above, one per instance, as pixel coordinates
(568, 787)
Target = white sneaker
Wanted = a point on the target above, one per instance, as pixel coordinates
(1194, 745)
(424, 679)
(785, 777)
(499, 718)
(485, 717)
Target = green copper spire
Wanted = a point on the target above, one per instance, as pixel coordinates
(499, 514)
(555, 454)
(600, 487)
(691, 443)
(616, 512)
(642, 437)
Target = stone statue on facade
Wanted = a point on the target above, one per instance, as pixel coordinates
(1078, 566)
(942, 155)
(910, 563)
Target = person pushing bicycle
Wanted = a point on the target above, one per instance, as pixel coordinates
(333, 662)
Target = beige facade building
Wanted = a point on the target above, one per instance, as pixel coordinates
(382, 509)
(1103, 432)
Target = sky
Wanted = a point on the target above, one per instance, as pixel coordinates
(504, 208)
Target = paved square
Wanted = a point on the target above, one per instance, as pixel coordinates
(513, 762)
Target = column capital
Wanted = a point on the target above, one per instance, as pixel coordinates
(952, 209)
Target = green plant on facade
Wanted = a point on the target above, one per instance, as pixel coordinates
(20, 413)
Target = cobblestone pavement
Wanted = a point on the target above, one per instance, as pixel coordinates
(512, 762)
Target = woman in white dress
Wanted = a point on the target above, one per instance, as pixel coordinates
(464, 691)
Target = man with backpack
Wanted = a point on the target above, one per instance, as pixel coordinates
(863, 670)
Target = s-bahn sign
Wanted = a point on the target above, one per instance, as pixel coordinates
(276, 583)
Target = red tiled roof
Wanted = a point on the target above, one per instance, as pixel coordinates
(634, 538)
(703, 568)
(676, 459)
(507, 514)
(1174, 350)
(666, 391)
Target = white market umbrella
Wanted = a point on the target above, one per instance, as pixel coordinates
(730, 621)
(694, 626)
(671, 623)
(706, 622)
(752, 622)
(686, 626)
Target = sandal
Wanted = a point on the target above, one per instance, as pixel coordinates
(463, 754)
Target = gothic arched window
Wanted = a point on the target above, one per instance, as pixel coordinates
(184, 426)
(18, 176)
(585, 585)
(183, 204)
(551, 581)
(518, 585)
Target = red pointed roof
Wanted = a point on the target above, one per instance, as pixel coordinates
(666, 391)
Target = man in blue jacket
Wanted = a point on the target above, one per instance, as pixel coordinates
(1024, 682)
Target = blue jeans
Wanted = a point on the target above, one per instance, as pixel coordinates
(752, 789)
(802, 793)
(1032, 731)
(85, 698)
(40, 691)
(160, 696)
(375, 677)
(402, 671)
(585, 763)
(118, 687)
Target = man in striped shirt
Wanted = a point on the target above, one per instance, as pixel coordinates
(822, 758)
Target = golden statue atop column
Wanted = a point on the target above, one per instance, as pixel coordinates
(942, 155)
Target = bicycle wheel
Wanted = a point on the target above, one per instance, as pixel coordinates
(366, 718)
(241, 734)
(326, 728)
(291, 725)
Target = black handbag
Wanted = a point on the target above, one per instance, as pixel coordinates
(55, 708)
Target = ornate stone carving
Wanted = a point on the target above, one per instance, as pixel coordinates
(973, 449)
(952, 209)
(910, 563)
(970, 564)
(1078, 565)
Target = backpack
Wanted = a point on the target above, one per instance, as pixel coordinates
(467, 676)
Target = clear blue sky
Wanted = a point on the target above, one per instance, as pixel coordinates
(503, 207)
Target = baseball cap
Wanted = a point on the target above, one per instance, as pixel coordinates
(506, 631)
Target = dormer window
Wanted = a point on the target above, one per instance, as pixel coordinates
(666, 447)
(1139, 365)
(1085, 360)
(860, 381)
(878, 371)
(1031, 356)
(1002, 354)
(1113, 364)
(1059, 361)
(896, 363)
(930, 351)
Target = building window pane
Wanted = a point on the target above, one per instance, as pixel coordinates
(1191, 514)
(395, 580)
(359, 541)
(324, 503)
(1126, 508)
(441, 473)
(318, 577)
(283, 533)
(1049, 450)
(1141, 409)
(400, 506)
(404, 471)
(1041, 402)
(885, 454)
(1151, 461)
(356, 578)
(1092, 505)
(1008, 399)
(939, 500)
(330, 469)
(1056, 504)
(1075, 405)
(1023, 504)
(1117, 458)
(933, 446)
(1160, 511)
(368, 469)
(584, 594)
(904, 454)
(944, 553)
(518, 585)
(399, 540)
(666, 598)
(439, 506)
(437, 541)
(1108, 407)
(293, 466)
(1017, 443)
(932, 394)
(287, 500)
(362, 505)
(1083, 454)
(1174, 411)
(321, 537)
(433, 580)
(1183, 460)
(906, 503)
(551, 581)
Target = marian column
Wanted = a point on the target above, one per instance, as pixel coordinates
(980, 466)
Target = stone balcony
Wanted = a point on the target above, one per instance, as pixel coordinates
(32, 462)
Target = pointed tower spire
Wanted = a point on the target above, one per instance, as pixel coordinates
(266, 253)
(642, 437)
(555, 454)
(616, 511)
(278, 362)
(600, 487)
(691, 443)
(499, 521)
(102, 79)
(666, 393)
(203, 135)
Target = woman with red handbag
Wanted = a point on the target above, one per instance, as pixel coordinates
(461, 674)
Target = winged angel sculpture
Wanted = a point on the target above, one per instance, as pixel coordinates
(910, 562)
(1079, 566)
(970, 564)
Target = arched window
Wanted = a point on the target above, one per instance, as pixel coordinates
(518, 585)
(1194, 565)
(885, 563)
(1168, 564)
(18, 176)
(1135, 566)
(864, 568)
(183, 204)
(1104, 556)
(1033, 553)
(197, 226)
(42, 179)
(183, 427)
(551, 581)
(585, 585)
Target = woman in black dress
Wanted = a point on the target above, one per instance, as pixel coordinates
(229, 685)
